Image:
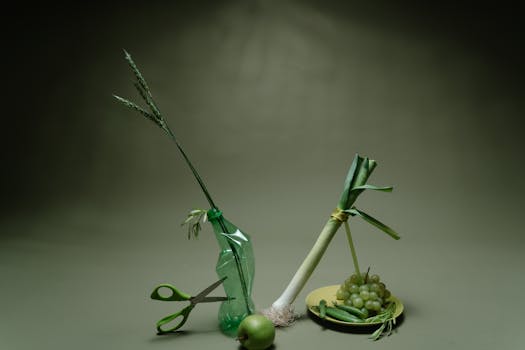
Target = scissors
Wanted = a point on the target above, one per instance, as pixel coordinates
(177, 295)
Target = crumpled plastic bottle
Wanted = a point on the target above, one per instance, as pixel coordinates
(237, 263)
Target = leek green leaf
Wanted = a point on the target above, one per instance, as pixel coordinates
(372, 187)
(343, 202)
(374, 221)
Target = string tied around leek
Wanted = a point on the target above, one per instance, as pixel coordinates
(281, 311)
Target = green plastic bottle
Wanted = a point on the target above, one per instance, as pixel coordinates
(237, 263)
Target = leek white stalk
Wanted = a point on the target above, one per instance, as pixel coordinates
(281, 313)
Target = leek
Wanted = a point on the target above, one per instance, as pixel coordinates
(281, 313)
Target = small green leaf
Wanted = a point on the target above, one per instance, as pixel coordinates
(196, 229)
(390, 326)
(377, 334)
(193, 222)
(188, 219)
(373, 221)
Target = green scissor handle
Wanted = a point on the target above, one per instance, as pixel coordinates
(184, 313)
(176, 295)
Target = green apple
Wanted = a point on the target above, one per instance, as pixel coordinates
(256, 332)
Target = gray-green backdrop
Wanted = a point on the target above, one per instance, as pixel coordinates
(271, 100)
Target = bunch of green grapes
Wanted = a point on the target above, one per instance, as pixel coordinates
(368, 293)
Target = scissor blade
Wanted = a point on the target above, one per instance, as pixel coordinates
(214, 299)
(198, 298)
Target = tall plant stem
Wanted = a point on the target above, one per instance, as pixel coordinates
(352, 249)
(220, 219)
(192, 168)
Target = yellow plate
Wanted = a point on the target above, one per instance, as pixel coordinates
(328, 293)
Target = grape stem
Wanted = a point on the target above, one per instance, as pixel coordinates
(354, 254)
